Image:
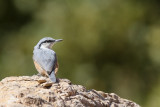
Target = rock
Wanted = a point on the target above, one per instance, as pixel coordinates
(31, 91)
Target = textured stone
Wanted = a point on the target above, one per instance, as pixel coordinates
(32, 91)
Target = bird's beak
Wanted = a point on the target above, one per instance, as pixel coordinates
(58, 40)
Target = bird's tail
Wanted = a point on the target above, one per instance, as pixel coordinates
(52, 77)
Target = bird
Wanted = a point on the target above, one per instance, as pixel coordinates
(45, 59)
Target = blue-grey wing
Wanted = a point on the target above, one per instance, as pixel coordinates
(47, 59)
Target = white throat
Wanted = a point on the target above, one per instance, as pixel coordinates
(44, 47)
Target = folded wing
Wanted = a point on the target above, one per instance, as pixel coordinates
(47, 60)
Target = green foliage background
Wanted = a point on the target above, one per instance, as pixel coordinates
(109, 45)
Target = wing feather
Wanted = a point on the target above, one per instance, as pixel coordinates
(47, 59)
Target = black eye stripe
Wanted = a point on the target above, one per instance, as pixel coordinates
(50, 40)
(46, 41)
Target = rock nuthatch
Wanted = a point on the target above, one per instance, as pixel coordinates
(45, 58)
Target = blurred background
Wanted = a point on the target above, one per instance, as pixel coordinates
(109, 45)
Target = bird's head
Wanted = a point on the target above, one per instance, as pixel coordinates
(47, 42)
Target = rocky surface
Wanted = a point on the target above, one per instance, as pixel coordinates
(33, 91)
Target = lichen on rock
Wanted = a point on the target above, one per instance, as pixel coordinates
(29, 91)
